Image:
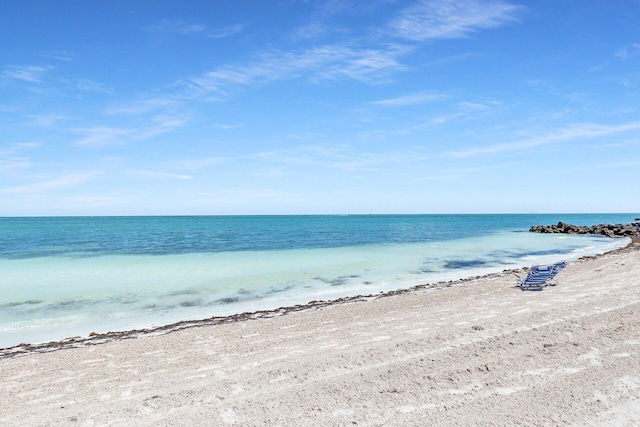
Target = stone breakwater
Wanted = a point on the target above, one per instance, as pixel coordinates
(610, 230)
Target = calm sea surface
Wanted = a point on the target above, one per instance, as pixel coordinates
(69, 276)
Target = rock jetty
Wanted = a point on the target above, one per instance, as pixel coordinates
(610, 230)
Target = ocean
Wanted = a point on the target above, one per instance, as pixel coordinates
(62, 277)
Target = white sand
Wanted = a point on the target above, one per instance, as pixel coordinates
(477, 353)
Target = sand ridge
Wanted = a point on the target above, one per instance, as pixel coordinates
(480, 352)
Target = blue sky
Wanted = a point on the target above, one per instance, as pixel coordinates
(298, 107)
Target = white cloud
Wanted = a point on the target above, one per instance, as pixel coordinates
(618, 165)
(101, 135)
(10, 165)
(10, 149)
(474, 106)
(85, 201)
(227, 127)
(51, 184)
(179, 27)
(311, 31)
(450, 59)
(48, 120)
(85, 85)
(418, 98)
(447, 174)
(366, 64)
(341, 157)
(628, 51)
(60, 56)
(156, 174)
(241, 197)
(160, 124)
(326, 62)
(582, 130)
(142, 106)
(429, 123)
(194, 164)
(447, 19)
(335, 7)
(356, 60)
(219, 33)
(27, 73)
(11, 159)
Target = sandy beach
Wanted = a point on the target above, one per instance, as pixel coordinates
(473, 352)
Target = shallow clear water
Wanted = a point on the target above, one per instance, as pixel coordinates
(63, 277)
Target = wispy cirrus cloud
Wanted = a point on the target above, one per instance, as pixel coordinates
(59, 56)
(450, 59)
(12, 148)
(101, 135)
(323, 62)
(12, 158)
(142, 106)
(219, 33)
(414, 99)
(448, 174)
(367, 57)
(159, 111)
(462, 110)
(435, 121)
(94, 200)
(48, 120)
(628, 51)
(239, 197)
(178, 27)
(69, 180)
(616, 165)
(448, 19)
(582, 130)
(195, 164)
(342, 157)
(228, 126)
(85, 85)
(38, 74)
(27, 73)
(368, 65)
(147, 174)
(477, 107)
(335, 7)
(324, 24)
(311, 31)
(159, 124)
(10, 165)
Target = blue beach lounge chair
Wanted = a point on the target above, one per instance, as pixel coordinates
(535, 281)
(540, 276)
(551, 270)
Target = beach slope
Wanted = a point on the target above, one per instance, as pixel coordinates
(477, 352)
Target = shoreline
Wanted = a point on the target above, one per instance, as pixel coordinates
(476, 352)
(24, 349)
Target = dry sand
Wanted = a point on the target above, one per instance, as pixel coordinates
(478, 352)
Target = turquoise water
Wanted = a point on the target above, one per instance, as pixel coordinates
(69, 276)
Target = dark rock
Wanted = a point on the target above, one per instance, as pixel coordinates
(610, 230)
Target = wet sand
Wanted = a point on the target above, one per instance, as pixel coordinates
(474, 352)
